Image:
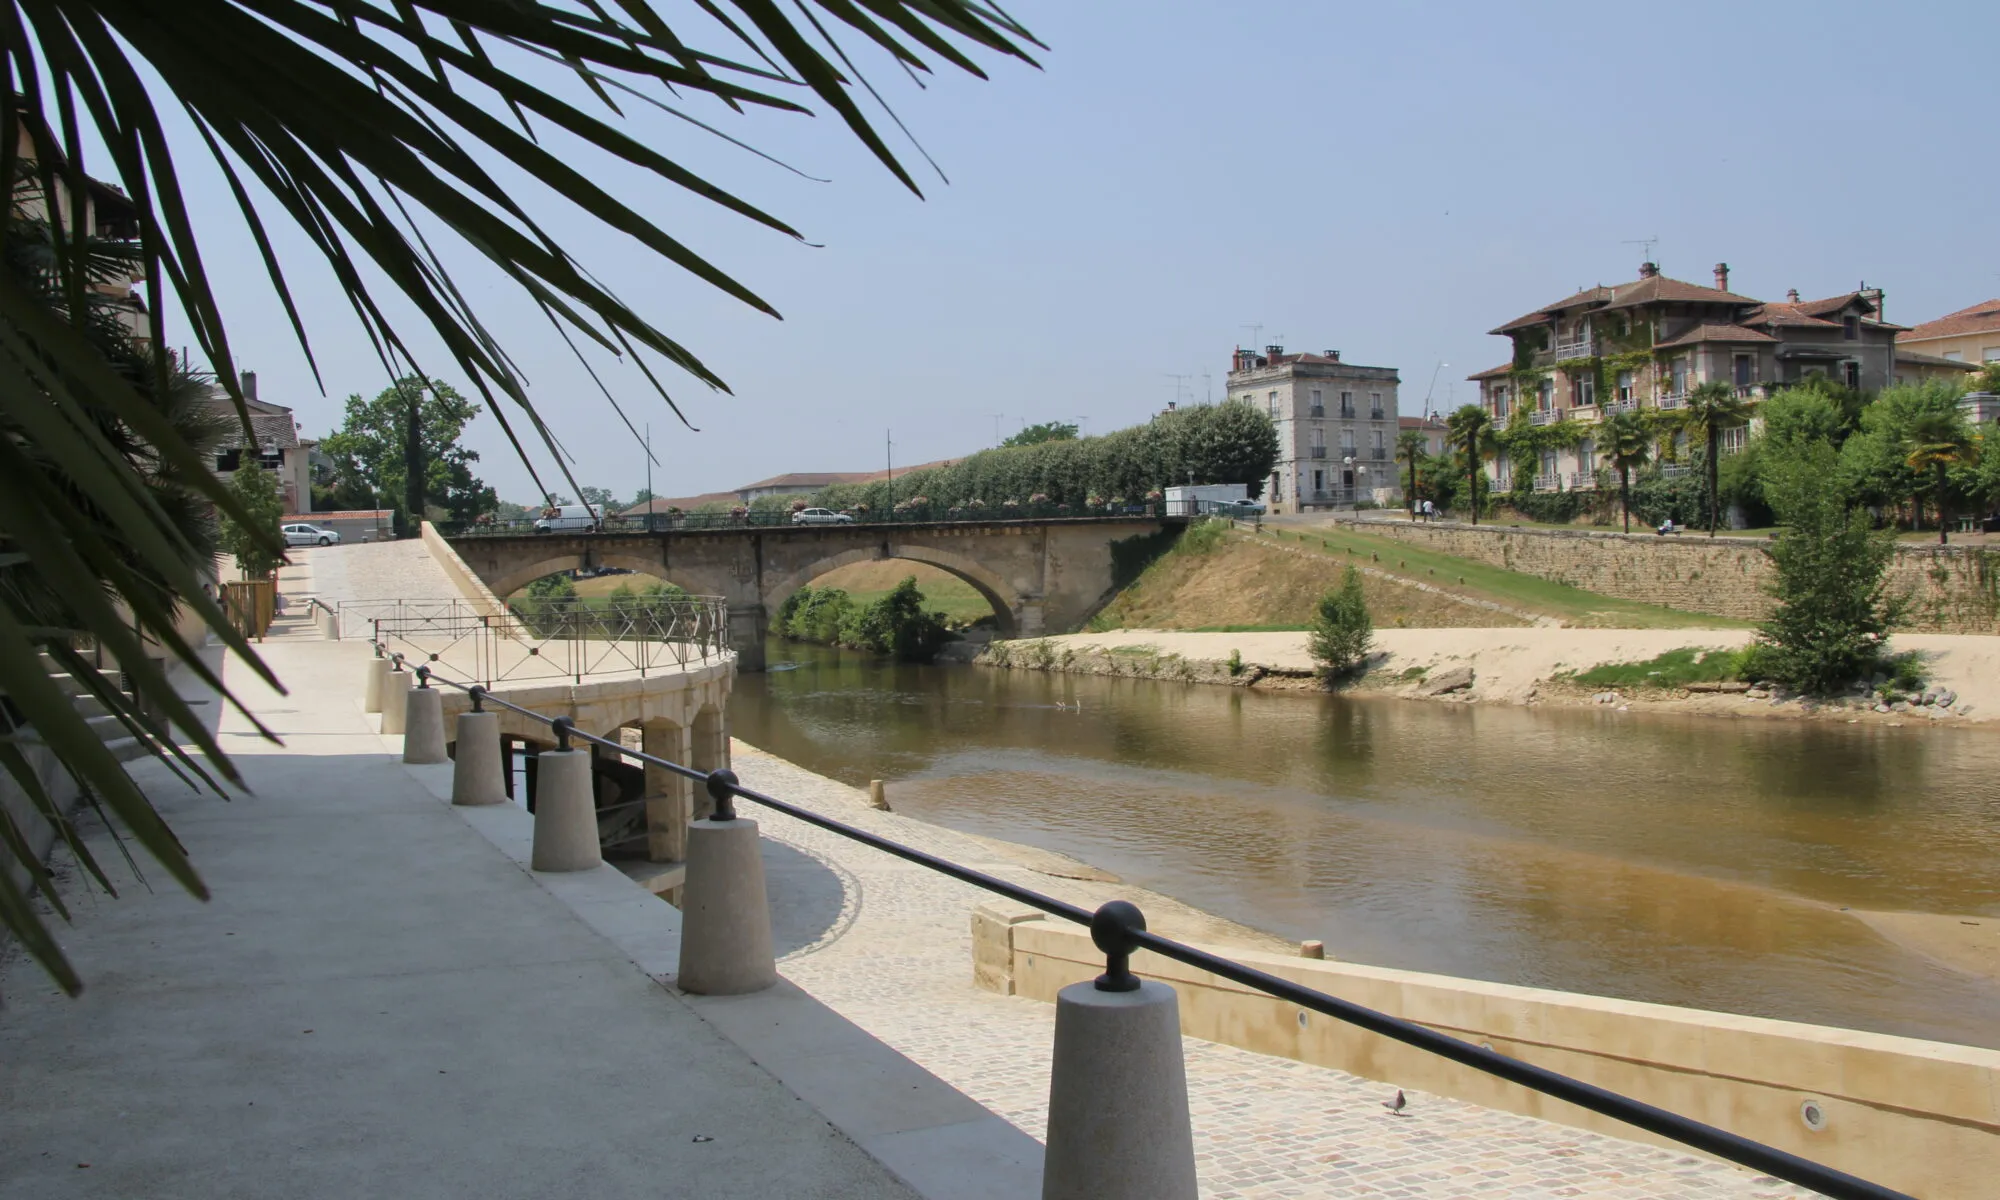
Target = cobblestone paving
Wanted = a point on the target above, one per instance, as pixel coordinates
(896, 959)
(401, 570)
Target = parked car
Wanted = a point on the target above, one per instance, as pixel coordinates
(570, 518)
(303, 534)
(1238, 508)
(820, 516)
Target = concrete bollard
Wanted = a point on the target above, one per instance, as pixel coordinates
(565, 813)
(1118, 1126)
(378, 677)
(423, 726)
(725, 914)
(877, 796)
(1312, 949)
(476, 774)
(395, 708)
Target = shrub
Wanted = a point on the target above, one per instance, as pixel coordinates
(1203, 536)
(1341, 629)
(1235, 662)
(898, 625)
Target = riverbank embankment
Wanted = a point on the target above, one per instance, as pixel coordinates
(1508, 666)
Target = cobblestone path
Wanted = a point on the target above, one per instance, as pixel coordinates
(888, 945)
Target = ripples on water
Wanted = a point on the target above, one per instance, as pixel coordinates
(1678, 859)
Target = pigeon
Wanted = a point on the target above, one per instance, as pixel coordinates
(1397, 1105)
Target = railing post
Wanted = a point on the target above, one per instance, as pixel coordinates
(476, 774)
(1118, 1105)
(565, 808)
(395, 687)
(725, 914)
(423, 722)
(376, 681)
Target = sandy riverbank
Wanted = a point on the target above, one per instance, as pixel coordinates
(1516, 666)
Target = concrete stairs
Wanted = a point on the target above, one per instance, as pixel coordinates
(108, 728)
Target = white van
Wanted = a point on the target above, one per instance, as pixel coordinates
(570, 518)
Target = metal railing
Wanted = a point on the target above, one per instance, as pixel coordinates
(1586, 348)
(1549, 482)
(1544, 416)
(1119, 929)
(1671, 400)
(1582, 481)
(565, 640)
(902, 514)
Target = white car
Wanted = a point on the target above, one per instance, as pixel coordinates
(820, 516)
(1238, 508)
(310, 535)
(570, 518)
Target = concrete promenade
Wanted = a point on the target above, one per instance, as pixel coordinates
(380, 1001)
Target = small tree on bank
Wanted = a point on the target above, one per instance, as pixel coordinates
(1833, 606)
(1342, 630)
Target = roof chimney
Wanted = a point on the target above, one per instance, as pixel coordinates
(1721, 277)
(1334, 355)
(1272, 353)
(1792, 296)
(1648, 270)
(249, 385)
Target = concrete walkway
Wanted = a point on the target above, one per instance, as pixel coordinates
(380, 1002)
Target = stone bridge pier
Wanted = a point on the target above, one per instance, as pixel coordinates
(1039, 576)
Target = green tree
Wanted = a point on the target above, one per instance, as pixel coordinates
(1833, 607)
(1471, 430)
(1933, 443)
(254, 541)
(1625, 439)
(1875, 460)
(1711, 408)
(1341, 629)
(1046, 431)
(413, 422)
(606, 498)
(898, 625)
(1231, 442)
(1410, 451)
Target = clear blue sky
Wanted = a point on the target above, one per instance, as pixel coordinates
(1386, 180)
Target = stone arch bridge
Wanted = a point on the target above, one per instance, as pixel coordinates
(1039, 576)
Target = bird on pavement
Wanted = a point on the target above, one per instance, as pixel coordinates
(1397, 1105)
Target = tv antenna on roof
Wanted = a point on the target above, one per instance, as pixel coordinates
(1180, 385)
(1256, 336)
(1648, 243)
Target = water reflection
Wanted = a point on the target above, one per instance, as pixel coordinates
(1677, 859)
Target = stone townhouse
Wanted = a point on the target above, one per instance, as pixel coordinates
(1647, 343)
(1336, 426)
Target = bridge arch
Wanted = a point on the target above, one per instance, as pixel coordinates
(997, 592)
(514, 580)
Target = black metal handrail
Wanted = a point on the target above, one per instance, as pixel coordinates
(1118, 928)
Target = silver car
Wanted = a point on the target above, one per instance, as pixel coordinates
(310, 535)
(820, 516)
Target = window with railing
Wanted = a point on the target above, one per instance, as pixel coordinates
(1374, 406)
(1274, 405)
(1586, 391)
(1500, 400)
(1730, 441)
(1347, 404)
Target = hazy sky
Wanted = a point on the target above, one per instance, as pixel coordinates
(1388, 180)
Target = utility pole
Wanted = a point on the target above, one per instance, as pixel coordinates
(649, 477)
(889, 453)
(997, 417)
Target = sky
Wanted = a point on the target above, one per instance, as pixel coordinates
(1180, 177)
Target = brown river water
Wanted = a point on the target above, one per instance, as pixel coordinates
(1673, 858)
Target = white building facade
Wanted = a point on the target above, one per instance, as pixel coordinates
(1337, 425)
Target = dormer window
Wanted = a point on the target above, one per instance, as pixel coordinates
(1850, 328)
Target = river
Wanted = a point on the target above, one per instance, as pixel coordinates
(1677, 859)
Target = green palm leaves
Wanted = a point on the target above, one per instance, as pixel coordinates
(1936, 440)
(1628, 442)
(1471, 429)
(1711, 408)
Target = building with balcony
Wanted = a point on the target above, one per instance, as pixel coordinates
(1336, 426)
(1646, 344)
(272, 444)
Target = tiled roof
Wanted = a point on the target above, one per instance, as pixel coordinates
(1787, 315)
(1983, 317)
(1493, 372)
(815, 479)
(660, 504)
(1931, 360)
(1431, 422)
(1540, 316)
(271, 423)
(1628, 295)
(1719, 333)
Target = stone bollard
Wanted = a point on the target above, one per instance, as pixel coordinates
(423, 723)
(1312, 949)
(477, 776)
(395, 708)
(877, 796)
(378, 677)
(725, 915)
(1118, 1126)
(565, 810)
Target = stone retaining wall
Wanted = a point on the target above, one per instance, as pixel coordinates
(1950, 589)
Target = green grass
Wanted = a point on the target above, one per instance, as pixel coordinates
(1249, 628)
(1515, 589)
(1674, 669)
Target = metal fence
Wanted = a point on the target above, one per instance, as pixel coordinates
(562, 642)
(1119, 929)
(929, 514)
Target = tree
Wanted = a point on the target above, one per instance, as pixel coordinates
(1231, 442)
(1047, 431)
(1833, 609)
(1628, 443)
(1711, 408)
(1471, 430)
(607, 498)
(898, 625)
(364, 125)
(254, 540)
(1341, 629)
(414, 423)
(1933, 443)
(1410, 450)
(1875, 460)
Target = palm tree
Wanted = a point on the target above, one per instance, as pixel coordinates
(1471, 429)
(1934, 441)
(1629, 443)
(374, 130)
(1711, 408)
(1410, 449)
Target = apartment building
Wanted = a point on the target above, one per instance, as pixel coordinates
(271, 444)
(1970, 336)
(1647, 343)
(1336, 426)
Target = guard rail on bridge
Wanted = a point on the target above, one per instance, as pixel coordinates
(561, 641)
(755, 519)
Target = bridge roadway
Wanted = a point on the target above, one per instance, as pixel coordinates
(1040, 576)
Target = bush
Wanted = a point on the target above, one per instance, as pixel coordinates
(898, 625)
(1204, 536)
(1341, 629)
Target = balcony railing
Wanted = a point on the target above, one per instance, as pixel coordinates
(1586, 348)
(1549, 483)
(1582, 481)
(1672, 400)
(1319, 410)
(1626, 405)
(1347, 411)
(1318, 452)
(1375, 414)
(1329, 496)
(1379, 453)
(1544, 416)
